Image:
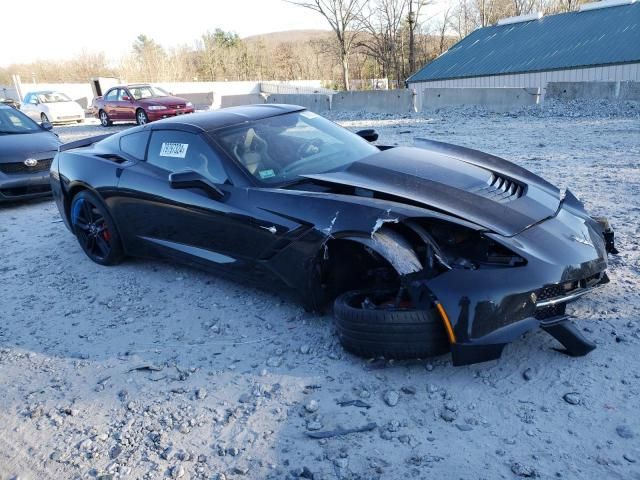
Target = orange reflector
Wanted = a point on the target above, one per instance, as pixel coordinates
(447, 323)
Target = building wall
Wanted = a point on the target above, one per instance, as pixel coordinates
(629, 71)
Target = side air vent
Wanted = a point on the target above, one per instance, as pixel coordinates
(501, 189)
(113, 158)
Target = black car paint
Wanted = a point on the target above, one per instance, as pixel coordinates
(285, 232)
(24, 184)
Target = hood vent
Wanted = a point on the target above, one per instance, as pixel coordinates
(501, 189)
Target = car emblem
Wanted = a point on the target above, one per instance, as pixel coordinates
(31, 162)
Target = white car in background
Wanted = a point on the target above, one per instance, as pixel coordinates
(53, 107)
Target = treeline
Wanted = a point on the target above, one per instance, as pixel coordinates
(369, 39)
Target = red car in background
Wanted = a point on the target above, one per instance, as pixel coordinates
(141, 102)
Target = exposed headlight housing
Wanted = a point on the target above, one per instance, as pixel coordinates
(461, 247)
(189, 104)
(157, 107)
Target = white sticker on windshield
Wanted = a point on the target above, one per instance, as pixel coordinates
(267, 173)
(177, 150)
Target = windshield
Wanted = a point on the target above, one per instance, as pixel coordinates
(282, 148)
(147, 91)
(52, 97)
(13, 121)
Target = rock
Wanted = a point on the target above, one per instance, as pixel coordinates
(572, 398)
(527, 374)
(448, 415)
(241, 469)
(304, 349)
(245, 398)
(522, 470)
(166, 453)
(312, 406)
(274, 361)
(629, 458)
(313, 426)
(624, 431)
(201, 393)
(391, 398)
(233, 451)
(409, 390)
(202, 458)
(176, 471)
(463, 427)
(115, 452)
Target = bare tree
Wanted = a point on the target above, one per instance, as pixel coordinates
(413, 21)
(342, 15)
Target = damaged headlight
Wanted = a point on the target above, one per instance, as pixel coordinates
(466, 248)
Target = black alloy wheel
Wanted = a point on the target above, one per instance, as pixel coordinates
(95, 229)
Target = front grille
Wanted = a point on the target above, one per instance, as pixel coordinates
(550, 311)
(550, 291)
(501, 189)
(182, 105)
(20, 167)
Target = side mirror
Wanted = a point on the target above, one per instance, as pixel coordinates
(193, 179)
(126, 98)
(369, 134)
(46, 126)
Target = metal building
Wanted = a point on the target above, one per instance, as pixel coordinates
(600, 42)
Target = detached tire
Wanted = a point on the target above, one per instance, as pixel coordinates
(400, 333)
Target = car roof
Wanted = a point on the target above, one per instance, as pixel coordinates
(225, 117)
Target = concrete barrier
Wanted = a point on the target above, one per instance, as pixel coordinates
(315, 102)
(630, 91)
(496, 99)
(238, 100)
(374, 101)
(200, 100)
(573, 90)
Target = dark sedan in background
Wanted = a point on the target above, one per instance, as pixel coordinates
(142, 103)
(26, 152)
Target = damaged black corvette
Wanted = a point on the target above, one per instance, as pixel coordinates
(423, 250)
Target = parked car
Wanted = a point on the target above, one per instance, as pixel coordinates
(428, 249)
(10, 102)
(26, 152)
(53, 107)
(142, 103)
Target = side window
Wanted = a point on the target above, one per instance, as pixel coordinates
(177, 151)
(27, 99)
(122, 93)
(135, 144)
(112, 94)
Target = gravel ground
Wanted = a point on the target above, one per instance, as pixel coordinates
(155, 370)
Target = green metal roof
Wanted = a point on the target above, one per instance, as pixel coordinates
(569, 40)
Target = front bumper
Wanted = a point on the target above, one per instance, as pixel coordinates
(67, 118)
(160, 114)
(488, 308)
(24, 186)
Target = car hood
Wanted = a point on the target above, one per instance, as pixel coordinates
(14, 148)
(166, 101)
(471, 185)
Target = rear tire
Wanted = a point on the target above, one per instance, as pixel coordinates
(95, 229)
(399, 333)
(104, 119)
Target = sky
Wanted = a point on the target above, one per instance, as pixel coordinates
(59, 29)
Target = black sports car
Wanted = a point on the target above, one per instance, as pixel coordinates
(427, 249)
(26, 152)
